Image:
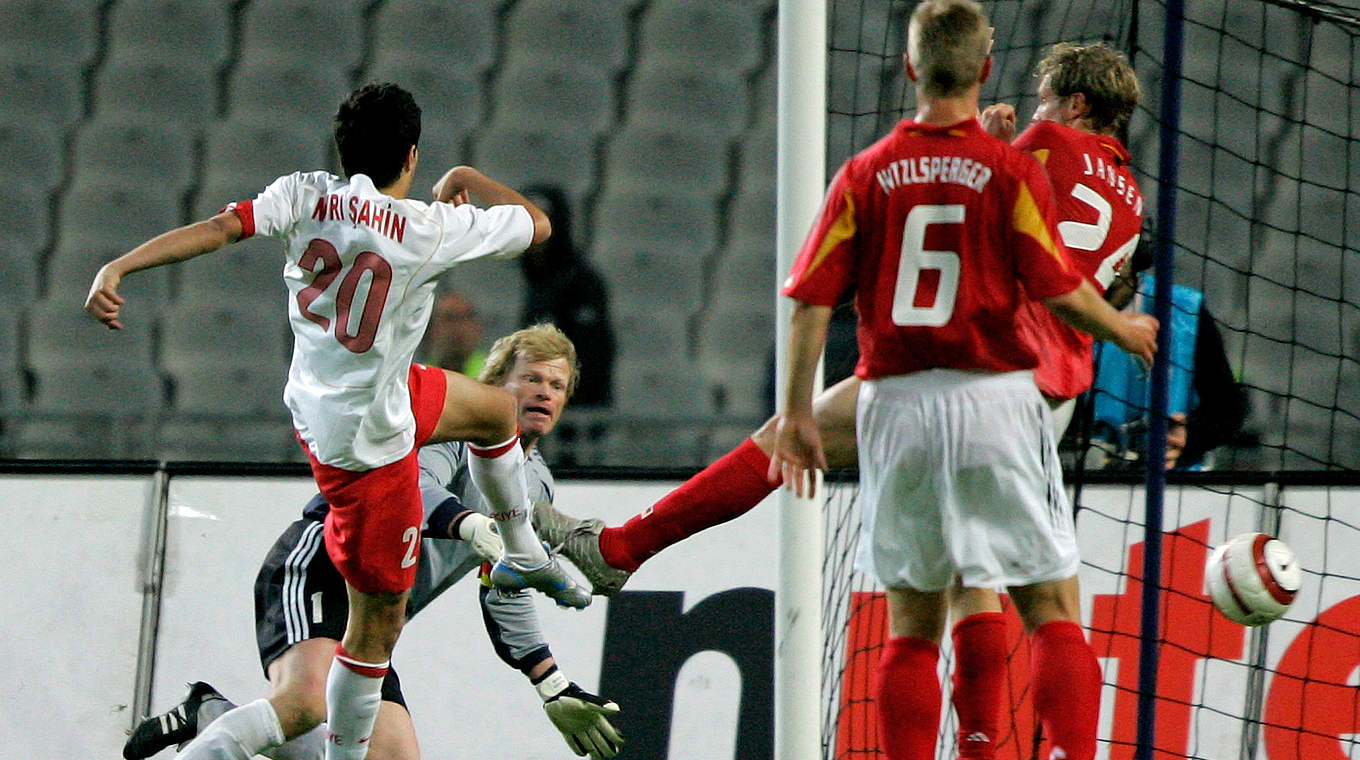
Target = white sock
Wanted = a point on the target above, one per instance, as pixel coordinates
(309, 746)
(353, 695)
(239, 734)
(498, 472)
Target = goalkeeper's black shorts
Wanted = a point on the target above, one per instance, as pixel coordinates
(299, 595)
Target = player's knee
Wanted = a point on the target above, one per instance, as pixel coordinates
(499, 417)
(301, 707)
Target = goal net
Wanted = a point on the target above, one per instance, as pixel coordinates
(1267, 191)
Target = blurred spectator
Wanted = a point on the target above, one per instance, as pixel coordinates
(565, 290)
(453, 339)
(1206, 406)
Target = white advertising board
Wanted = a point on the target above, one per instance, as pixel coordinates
(686, 649)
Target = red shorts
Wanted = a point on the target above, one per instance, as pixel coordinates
(373, 527)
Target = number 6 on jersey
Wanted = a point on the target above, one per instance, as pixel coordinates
(915, 259)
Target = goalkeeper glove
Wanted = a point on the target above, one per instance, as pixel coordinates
(480, 532)
(582, 717)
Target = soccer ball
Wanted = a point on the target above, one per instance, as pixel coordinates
(1253, 578)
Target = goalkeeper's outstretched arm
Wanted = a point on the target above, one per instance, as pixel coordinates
(581, 717)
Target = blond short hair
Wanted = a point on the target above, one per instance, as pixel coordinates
(947, 44)
(1100, 73)
(539, 343)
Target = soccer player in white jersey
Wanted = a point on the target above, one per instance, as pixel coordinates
(361, 265)
(300, 600)
(942, 231)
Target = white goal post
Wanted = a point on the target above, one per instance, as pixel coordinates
(800, 182)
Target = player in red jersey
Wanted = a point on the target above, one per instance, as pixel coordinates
(1087, 94)
(942, 232)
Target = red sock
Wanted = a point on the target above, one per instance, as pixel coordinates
(726, 489)
(1066, 688)
(907, 694)
(979, 677)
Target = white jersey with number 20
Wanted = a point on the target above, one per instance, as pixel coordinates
(361, 269)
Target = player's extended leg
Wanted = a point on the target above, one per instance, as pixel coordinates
(979, 669)
(1066, 676)
(723, 491)
(178, 725)
(906, 687)
(486, 416)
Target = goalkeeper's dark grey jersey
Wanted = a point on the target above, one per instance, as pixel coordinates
(444, 475)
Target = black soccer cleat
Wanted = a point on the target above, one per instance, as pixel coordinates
(177, 726)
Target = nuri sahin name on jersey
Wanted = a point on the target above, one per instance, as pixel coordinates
(383, 219)
(955, 170)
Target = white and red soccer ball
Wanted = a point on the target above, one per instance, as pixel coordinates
(1253, 578)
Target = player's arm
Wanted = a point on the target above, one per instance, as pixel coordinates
(1086, 310)
(461, 182)
(180, 244)
(798, 446)
(581, 717)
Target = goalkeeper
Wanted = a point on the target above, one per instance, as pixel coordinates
(301, 605)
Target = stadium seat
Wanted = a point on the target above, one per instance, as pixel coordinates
(106, 211)
(589, 33)
(322, 34)
(61, 32)
(155, 153)
(525, 155)
(457, 37)
(25, 211)
(175, 31)
(658, 387)
(257, 152)
(13, 391)
(565, 95)
(666, 93)
(144, 89)
(706, 37)
(81, 437)
(223, 336)
(31, 152)
(648, 327)
(235, 391)
(743, 275)
(213, 438)
(675, 157)
(738, 387)
(641, 215)
(40, 92)
(751, 215)
(652, 273)
(63, 338)
(274, 88)
(107, 391)
(245, 274)
(741, 332)
(646, 444)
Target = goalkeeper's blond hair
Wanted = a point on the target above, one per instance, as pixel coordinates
(947, 45)
(540, 343)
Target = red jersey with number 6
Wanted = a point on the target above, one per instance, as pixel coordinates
(361, 268)
(936, 229)
(1102, 216)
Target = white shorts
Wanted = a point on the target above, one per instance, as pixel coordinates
(959, 476)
